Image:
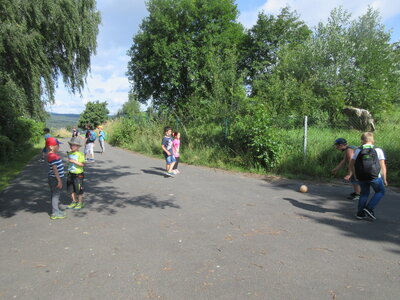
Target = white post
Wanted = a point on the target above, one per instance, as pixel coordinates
(305, 135)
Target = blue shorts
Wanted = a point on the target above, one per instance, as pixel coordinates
(44, 150)
(170, 159)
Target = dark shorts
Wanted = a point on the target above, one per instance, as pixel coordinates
(75, 183)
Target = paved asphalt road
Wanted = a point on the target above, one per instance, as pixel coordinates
(205, 234)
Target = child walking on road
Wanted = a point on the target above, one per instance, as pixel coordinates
(76, 163)
(166, 145)
(175, 149)
(56, 174)
(370, 169)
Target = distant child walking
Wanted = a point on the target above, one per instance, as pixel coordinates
(166, 145)
(175, 150)
(368, 162)
(76, 163)
(348, 152)
(46, 133)
(56, 174)
(89, 147)
(102, 137)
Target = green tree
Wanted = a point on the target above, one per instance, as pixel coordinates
(185, 55)
(354, 63)
(344, 63)
(131, 107)
(39, 41)
(95, 113)
(264, 40)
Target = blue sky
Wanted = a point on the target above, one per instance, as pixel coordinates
(121, 20)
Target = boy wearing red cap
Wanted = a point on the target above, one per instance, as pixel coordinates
(56, 173)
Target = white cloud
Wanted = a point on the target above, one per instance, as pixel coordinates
(113, 89)
(314, 11)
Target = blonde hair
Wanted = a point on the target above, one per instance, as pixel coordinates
(367, 137)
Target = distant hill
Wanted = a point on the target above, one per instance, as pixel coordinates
(62, 120)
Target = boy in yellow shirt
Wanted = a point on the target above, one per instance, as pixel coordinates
(76, 163)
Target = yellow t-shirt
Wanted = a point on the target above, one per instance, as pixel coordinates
(79, 157)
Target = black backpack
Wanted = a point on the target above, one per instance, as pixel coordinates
(367, 165)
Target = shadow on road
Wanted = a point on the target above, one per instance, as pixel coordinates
(29, 192)
(327, 204)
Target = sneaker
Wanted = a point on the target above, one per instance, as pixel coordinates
(41, 160)
(356, 197)
(79, 205)
(170, 174)
(353, 195)
(72, 205)
(361, 215)
(370, 213)
(60, 215)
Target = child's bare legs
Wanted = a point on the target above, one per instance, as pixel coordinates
(170, 167)
(357, 189)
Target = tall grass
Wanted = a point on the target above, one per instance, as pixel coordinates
(209, 149)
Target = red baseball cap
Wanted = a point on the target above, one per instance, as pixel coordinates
(52, 142)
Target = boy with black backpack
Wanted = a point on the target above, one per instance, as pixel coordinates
(369, 165)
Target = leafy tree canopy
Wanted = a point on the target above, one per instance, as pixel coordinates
(95, 114)
(40, 40)
(186, 52)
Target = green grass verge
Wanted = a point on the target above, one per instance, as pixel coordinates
(12, 168)
(320, 159)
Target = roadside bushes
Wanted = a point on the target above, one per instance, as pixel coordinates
(253, 136)
(22, 132)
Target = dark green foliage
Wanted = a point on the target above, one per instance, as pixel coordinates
(260, 48)
(39, 41)
(253, 136)
(95, 114)
(6, 148)
(42, 39)
(185, 56)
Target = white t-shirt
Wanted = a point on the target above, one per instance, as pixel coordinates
(379, 151)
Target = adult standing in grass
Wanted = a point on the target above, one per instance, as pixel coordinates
(348, 152)
(368, 162)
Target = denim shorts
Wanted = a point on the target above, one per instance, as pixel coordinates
(170, 159)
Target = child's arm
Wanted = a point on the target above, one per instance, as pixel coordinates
(165, 150)
(76, 162)
(383, 170)
(340, 165)
(59, 182)
(351, 168)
